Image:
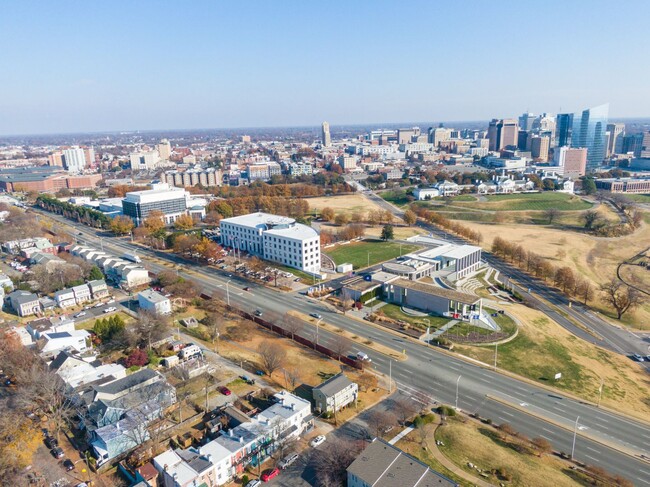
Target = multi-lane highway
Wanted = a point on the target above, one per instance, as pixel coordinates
(442, 377)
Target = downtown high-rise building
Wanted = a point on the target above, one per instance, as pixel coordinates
(164, 150)
(326, 138)
(584, 129)
(616, 132)
(503, 133)
(526, 121)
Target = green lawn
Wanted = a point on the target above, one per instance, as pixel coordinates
(639, 198)
(369, 252)
(397, 197)
(530, 201)
(393, 311)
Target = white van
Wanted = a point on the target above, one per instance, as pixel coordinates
(363, 356)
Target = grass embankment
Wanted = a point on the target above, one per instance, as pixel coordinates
(369, 252)
(347, 204)
(543, 348)
(485, 447)
(530, 202)
(395, 312)
(639, 198)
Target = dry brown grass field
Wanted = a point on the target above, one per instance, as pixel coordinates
(347, 204)
(595, 258)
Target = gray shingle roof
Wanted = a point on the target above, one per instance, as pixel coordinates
(333, 385)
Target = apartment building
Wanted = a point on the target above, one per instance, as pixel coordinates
(275, 238)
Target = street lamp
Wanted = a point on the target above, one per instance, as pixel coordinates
(369, 259)
(457, 382)
(228, 292)
(600, 391)
(575, 433)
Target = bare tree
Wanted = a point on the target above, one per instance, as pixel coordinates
(149, 328)
(551, 214)
(332, 461)
(214, 323)
(405, 408)
(292, 324)
(340, 346)
(273, 356)
(346, 301)
(292, 375)
(542, 445)
(379, 421)
(620, 296)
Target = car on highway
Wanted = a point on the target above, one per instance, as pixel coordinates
(269, 475)
(258, 312)
(68, 465)
(110, 310)
(319, 440)
(247, 288)
(363, 357)
(316, 315)
(638, 357)
(57, 452)
(80, 314)
(288, 460)
(225, 391)
(254, 483)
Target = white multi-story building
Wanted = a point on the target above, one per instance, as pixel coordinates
(276, 238)
(74, 159)
(143, 161)
(171, 201)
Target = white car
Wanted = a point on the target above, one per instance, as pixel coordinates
(363, 356)
(319, 440)
(110, 301)
(110, 310)
(80, 314)
(288, 460)
(99, 305)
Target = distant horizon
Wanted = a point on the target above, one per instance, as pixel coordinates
(420, 124)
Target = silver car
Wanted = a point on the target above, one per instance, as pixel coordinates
(288, 460)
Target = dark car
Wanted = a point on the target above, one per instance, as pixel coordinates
(247, 379)
(258, 312)
(68, 465)
(247, 288)
(259, 372)
(51, 442)
(57, 452)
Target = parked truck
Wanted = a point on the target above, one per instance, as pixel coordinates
(130, 256)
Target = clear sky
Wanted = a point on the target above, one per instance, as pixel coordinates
(124, 65)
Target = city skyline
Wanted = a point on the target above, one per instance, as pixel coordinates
(242, 67)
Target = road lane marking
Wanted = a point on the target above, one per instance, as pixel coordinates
(558, 409)
(508, 414)
(593, 450)
(594, 459)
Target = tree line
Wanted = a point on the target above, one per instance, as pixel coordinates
(82, 214)
(277, 205)
(437, 219)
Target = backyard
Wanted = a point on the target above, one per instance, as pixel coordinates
(368, 252)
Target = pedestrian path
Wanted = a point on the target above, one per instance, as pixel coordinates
(401, 435)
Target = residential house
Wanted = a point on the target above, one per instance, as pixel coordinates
(335, 393)
(150, 300)
(76, 370)
(50, 261)
(65, 298)
(37, 328)
(447, 188)
(98, 289)
(382, 464)
(21, 334)
(422, 194)
(78, 340)
(24, 303)
(82, 293)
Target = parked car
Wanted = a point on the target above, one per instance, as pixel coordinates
(51, 442)
(319, 440)
(638, 358)
(316, 315)
(247, 379)
(110, 301)
(254, 483)
(270, 474)
(225, 391)
(57, 452)
(80, 314)
(259, 372)
(110, 310)
(288, 460)
(68, 465)
(99, 305)
(87, 307)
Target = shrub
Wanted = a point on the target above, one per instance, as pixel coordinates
(446, 410)
(138, 357)
(245, 479)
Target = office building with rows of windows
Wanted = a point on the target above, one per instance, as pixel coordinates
(275, 238)
(172, 202)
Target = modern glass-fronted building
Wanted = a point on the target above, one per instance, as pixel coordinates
(589, 130)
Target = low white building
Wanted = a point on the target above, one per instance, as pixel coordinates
(275, 238)
(150, 300)
(56, 342)
(422, 194)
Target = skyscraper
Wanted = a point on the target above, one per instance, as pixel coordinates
(588, 131)
(539, 148)
(165, 150)
(74, 159)
(526, 121)
(616, 132)
(502, 133)
(563, 129)
(326, 137)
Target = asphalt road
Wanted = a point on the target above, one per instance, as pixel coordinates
(429, 371)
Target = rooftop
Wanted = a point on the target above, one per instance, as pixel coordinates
(333, 385)
(436, 291)
(384, 465)
(273, 225)
(152, 296)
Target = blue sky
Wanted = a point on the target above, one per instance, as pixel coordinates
(117, 65)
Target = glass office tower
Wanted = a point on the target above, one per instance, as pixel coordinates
(589, 130)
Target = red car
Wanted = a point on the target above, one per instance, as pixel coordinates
(225, 391)
(270, 474)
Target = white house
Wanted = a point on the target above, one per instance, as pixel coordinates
(425, 193)
(447, 188)
(335, 393)
(151, 300)
(55, 342)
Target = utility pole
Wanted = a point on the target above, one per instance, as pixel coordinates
(575, 433)
(228, 292)
(600, 391)
(457, 382)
